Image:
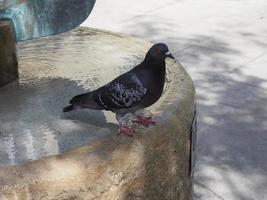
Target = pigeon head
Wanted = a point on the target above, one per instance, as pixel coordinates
(158, 52)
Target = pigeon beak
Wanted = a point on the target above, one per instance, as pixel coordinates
(168, 54)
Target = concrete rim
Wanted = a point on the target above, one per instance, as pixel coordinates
(175, 109)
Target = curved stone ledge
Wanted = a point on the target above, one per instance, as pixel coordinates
(154, 164)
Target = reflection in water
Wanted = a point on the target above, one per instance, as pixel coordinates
(52, 70)
(9, 148)
(28, 141)
(50, 145)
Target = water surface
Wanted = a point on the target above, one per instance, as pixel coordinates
(52, 70)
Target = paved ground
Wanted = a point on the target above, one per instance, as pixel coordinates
(223, 45)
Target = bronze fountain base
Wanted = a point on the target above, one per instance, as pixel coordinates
(8, 57)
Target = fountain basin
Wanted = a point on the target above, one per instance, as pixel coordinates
(45, 154)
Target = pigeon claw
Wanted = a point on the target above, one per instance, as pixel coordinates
(125, 130)
(146, 121)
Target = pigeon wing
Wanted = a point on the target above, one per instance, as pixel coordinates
(123, 92)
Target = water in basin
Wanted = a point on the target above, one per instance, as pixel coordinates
(52, 70)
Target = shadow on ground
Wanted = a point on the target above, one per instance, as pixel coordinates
(232, 123)
(231, 142)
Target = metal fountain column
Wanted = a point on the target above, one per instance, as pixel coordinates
(27, 19)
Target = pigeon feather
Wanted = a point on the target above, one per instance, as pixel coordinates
(134, 90)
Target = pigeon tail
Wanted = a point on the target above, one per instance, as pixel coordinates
(70, 108)
(84, 101)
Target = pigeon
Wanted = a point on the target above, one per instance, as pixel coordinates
(134, 90)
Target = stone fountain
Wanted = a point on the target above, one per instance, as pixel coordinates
(45, 154)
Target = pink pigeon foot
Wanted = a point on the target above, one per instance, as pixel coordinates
(146, 121)
(125, 130)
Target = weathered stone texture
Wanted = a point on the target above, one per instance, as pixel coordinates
(153, 165)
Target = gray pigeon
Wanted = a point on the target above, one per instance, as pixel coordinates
(132, 91)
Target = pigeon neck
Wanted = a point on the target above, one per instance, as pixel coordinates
(150, 61)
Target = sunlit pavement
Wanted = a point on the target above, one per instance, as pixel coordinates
(223, 45)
